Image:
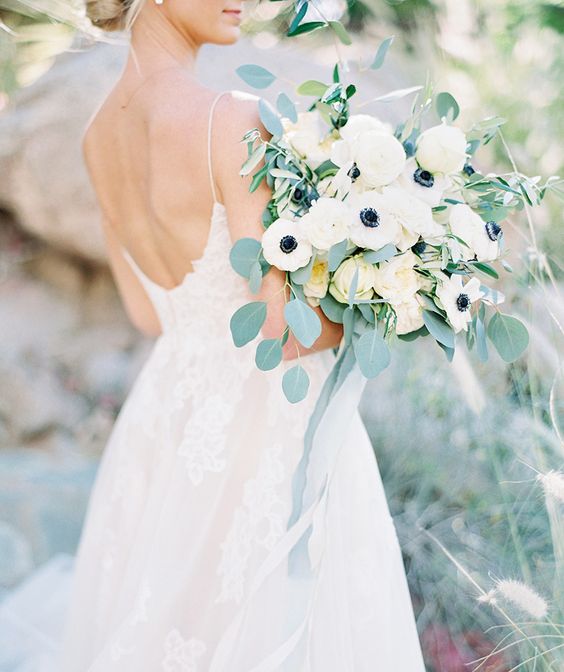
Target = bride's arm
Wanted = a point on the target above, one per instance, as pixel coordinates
(244, 211)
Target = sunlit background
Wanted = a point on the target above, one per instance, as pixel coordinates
(471, 453)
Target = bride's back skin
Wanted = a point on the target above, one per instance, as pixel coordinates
(147, 162)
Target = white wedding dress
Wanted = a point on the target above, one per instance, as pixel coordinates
(183, 560)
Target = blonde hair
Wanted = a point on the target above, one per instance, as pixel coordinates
(113, 15)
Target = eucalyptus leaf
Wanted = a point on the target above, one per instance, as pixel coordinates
(509, 336)
(243, 255)
(337, 253)
(380, 57)
(268, 354)
(353, 286)
(367, 312)
(270, 118)
(246, 322)
(383, 254)
(303, 321)
(438, 328)
(303, 274)
(348, 324)
(286, 107)
(255, 278)
(447, 106)
(255, 76)
(332, 308)
(312, 88)
(295, 383)
(372, 353)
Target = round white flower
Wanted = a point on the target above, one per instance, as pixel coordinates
(380, 158)
(316, 287)
(372, 225)
(481, 238)
(340, 285)
(359, 123)
(396, 280)
(377, 158)
(422, 183)
(285, 245)
(413, 216)
(304, 136)
(441, 149)
(327, 222)
(409, 316)
(457, 298)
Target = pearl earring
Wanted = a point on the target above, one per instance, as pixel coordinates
(158, 2)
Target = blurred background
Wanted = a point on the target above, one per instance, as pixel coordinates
(471, 453)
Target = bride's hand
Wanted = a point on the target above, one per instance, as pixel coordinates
(244, 215)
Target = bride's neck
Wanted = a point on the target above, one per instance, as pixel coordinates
(157, 43)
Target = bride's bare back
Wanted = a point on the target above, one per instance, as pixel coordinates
(147, 154)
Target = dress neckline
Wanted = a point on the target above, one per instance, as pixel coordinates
(195, 262)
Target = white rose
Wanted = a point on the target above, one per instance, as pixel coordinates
(481, 238)
(285, 245)
(331, 10)
(327, 222)
(340, 285)
(304, 136)
(457, 298)
(441, 149)
(358, 123)
(316, 287)
(423, 184)
(409, 316)
(396, 280)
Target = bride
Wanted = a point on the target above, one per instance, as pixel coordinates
(182, 565)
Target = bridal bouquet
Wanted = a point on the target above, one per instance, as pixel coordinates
(388, 231)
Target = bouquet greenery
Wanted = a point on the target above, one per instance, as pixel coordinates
(390, 231)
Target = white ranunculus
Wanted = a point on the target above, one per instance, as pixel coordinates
(380, 158)
(372, 225)
(409, 316)
(413, 216)
(340, 285)
(316, 287)
(480, 237)
(441, 149)
(378, 155)
(423, 184)
(457, 298)
(396, 280)
(285, 245)
(327, 222)
(305, 137)
(359, 123)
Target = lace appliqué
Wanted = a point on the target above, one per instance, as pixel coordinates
(205, 438)
(181, 654)
(258, 521)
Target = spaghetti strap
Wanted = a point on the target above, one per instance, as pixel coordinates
(212, 183)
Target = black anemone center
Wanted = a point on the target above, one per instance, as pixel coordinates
(297, 195)
(369, 217)
(468, 169)
(493, 229)
(463, 302)
(313, 195)
(419, 247)
(424, 177)
(354, 172)
(288, 243)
